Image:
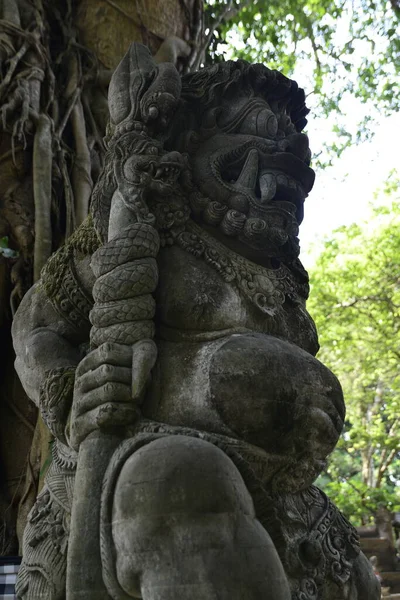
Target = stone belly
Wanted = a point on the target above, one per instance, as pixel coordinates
(251, 386)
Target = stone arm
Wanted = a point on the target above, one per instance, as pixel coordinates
(76, 389)
(51, 333)
(43, 341)
(44, 337)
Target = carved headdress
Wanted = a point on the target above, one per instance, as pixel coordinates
(153, 110)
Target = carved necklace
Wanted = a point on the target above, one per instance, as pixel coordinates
(266, 288)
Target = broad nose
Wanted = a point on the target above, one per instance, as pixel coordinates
(298, 144)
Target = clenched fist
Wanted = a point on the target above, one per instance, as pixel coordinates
(109, 386)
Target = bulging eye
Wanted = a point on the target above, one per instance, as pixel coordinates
(130, 167)
(260, 122)
(267, 124)
(134, 168)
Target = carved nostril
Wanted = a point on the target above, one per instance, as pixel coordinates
(297, 144)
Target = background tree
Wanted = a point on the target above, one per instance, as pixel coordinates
(355, 301)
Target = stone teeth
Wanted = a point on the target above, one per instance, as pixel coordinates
(282, 180)
(248, 176)
(300, 191)
(267, 186)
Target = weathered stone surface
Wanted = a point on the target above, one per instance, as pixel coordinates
(183, 465)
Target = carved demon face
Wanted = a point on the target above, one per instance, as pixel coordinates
(259, 179)
(251, 162)
(154, 170)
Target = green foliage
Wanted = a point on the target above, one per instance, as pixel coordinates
(353, 47)
(355, 301)
(360, 502)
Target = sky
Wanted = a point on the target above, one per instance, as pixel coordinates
(343, 192)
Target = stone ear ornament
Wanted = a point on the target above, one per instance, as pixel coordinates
(144, 92)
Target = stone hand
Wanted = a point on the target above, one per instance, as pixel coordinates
(109, 386)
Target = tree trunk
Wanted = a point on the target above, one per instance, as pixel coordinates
(56, 58)
(370, 476)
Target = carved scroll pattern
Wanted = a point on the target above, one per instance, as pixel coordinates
(45, 545)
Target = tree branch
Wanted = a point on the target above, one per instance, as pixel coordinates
(365, 299)
(382, 470)
(42, 171)
(229, 13)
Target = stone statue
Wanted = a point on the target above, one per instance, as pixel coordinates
(169, 349)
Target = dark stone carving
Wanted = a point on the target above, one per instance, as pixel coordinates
(171, 354)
